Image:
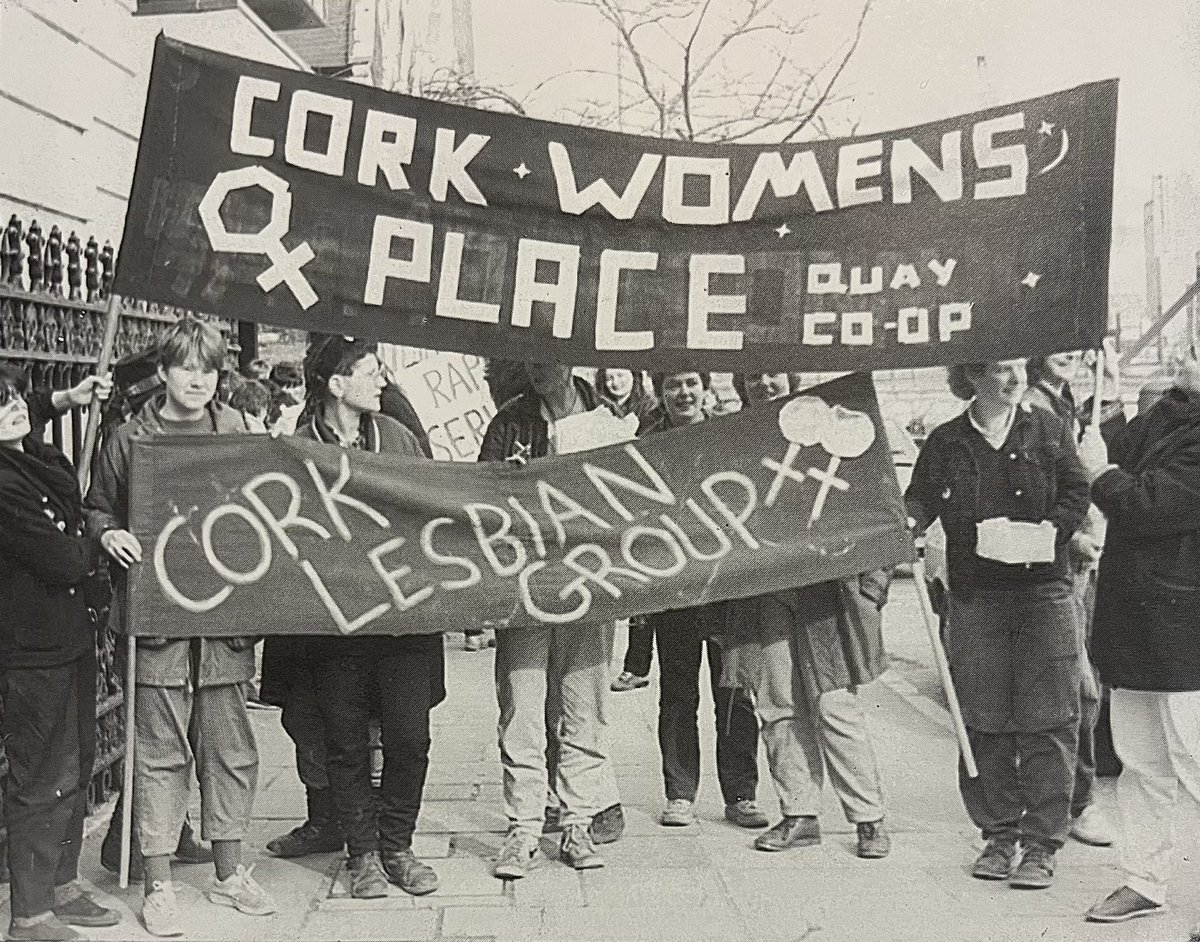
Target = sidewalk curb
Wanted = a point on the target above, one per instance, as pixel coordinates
(918, 701)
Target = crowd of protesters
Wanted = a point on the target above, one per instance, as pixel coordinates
(1108, 516)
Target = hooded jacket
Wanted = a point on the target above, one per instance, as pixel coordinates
(1145, 634)
(162, 662)
(45, 560)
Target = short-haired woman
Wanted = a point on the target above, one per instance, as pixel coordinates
(47, 676)
(1012, 646)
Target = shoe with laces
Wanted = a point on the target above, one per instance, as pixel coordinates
(1036, 871)
(408, 873)
(997, 861)
(746, 814)
(160, 911)
(368, 880)
(679, 813)
(873, 840)
(85, 911)
(519, 854)
(242, 892)
(627, 681)
(1123, 904)
(578, 850)
(793, 831)
(312, 837)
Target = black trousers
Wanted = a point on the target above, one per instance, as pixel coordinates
(396, 689)
(640, 652)
(49, 730)
(679, 635)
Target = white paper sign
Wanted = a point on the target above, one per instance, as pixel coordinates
(1015, 541)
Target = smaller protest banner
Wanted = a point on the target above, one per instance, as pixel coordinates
(254, 535)
(450, 394)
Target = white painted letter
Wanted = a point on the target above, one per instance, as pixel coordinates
(713, 213)
(576, 202)
(450, 166)
(858, 162)
(331, 161)
(946, 180)
(383, 266)
(1013, 157)
(701, 303)
(251, 89)
(612, 262)
(560, 292)
(801, 171)
(389, 156)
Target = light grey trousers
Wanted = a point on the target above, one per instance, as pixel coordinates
(575, 658)
(802, 739)
(179, 728)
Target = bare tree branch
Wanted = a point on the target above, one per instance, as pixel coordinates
(824, 96)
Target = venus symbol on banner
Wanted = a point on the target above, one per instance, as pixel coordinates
(843, 433)
(285, 265)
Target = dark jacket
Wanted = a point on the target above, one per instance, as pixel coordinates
(1035, 476)
(1146, 634)
(161, 662)
(45, 560)
(283, 653)
(519, 433)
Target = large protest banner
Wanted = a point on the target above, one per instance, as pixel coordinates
(270, 195)
(254, 535)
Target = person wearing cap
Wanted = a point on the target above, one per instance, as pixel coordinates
(191, 709)
(351, 680)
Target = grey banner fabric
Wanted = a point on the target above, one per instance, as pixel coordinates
(254, 535)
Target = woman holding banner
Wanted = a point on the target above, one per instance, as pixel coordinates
(47, 676)
(1006, 482)
(803, 653)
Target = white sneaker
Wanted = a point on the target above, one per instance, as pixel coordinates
(160, 912)
(678, 813)
(240, 891)
(1093, 827)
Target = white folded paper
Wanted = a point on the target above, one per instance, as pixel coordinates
(593, 429)
(1015, 541)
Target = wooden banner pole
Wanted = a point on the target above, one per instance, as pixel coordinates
(943, 668)
(1098, 392)
(112, 320)
(127, 772)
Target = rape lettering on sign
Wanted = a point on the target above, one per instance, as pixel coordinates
(266, 194)
(339, 542)
(450, 394)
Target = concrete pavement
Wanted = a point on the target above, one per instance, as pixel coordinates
(702, 882)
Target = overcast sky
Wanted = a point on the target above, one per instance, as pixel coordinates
(917, 62)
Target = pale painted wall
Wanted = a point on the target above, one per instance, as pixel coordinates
(73, 79)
